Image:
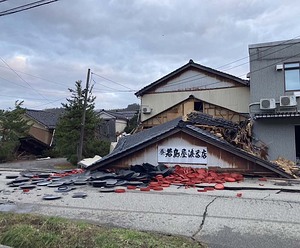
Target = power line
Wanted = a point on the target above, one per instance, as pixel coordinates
(114, 90)
(35, 76)
(48, 103)
(14, 83)
(26, 7)
(112, 81)
(198, 77)
(260, 69)
(29, 98)
(247, 57)
(23, 79)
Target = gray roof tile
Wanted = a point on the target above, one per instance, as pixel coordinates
(48, 119)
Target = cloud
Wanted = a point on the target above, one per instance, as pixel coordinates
(132, 42)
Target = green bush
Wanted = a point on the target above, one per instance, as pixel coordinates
(7, 151)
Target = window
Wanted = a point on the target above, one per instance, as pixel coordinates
(292, 76)
(198, 106)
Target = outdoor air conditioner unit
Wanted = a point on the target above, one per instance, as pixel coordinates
(267, 103)
(288, 101)
(147, 110)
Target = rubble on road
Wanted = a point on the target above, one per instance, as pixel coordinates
(144, 177)
(85, 163)
(288, 166)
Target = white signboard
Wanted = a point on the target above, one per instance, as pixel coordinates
(186, 154)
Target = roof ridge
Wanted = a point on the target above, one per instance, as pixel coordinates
(199, 66)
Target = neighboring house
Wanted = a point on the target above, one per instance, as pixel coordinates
(42, 130)
(112, 124)
(194, 87)
(274, 96)
(184, 143)
(129, 114)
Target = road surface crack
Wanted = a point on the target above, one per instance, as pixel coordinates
(203, 218)
(266, 196)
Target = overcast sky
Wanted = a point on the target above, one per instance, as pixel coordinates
(44, 50)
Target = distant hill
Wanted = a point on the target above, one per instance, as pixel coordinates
(127, 112)
(130, 107)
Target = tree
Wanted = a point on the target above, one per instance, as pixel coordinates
(68, 127)
(132, 124)
(13, 126)
(133, 107)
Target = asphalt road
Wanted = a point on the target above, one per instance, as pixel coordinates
(268, 218)
(38, 164)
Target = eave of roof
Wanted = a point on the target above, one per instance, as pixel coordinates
(192, 64)
(276, 115)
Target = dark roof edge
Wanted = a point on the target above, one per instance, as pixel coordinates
(191, 63)
(137, 147)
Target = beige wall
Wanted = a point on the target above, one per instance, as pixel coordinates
(187, 107)
(235, 99)
(40, 132)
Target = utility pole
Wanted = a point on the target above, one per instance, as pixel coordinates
(80, 148)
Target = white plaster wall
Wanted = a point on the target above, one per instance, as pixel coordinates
(120, 125)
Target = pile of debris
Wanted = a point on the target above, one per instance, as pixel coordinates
(191, 177)
(288, 166)
(237, 134)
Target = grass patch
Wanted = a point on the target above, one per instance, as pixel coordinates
(27, 230)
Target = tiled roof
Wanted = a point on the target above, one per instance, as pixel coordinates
(205, 119)
(148, 134)
(137, 141)
(48, 119)
(192, 64)
(114, 114)
(126, 113)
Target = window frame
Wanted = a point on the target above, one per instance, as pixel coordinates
(287, 68)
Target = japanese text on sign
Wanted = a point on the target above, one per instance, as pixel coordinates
(193, 155)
